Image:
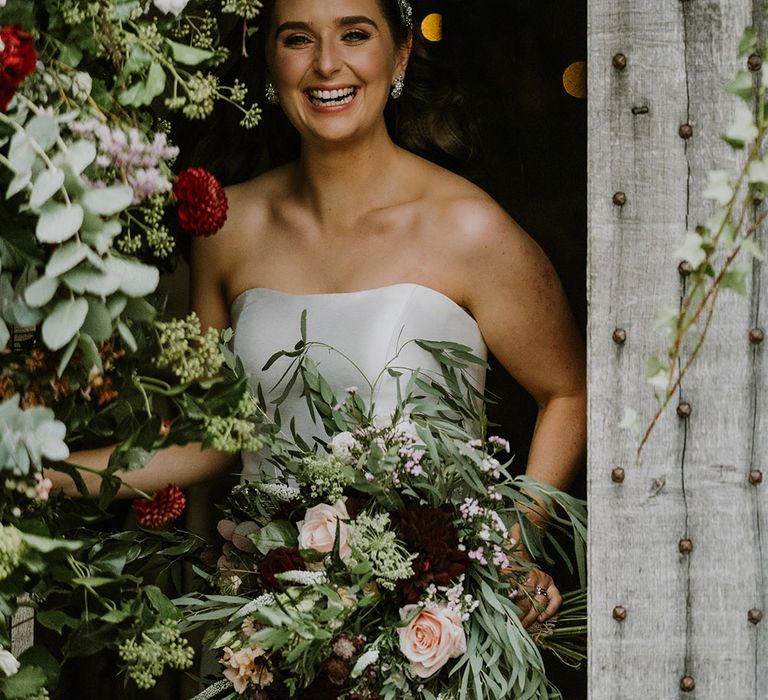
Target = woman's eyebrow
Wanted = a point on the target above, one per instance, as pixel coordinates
(356, 19)
(294, 25)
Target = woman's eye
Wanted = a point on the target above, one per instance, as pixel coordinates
(296, 40)
(356, 35)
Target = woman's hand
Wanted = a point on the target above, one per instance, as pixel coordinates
(538, 597)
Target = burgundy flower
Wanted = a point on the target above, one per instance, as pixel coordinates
(165, 507)
(277, 561)
(202, 202)
(17, 61)
(431, 535)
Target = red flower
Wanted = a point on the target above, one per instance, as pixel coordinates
(202, 202)
(17, 61)
(278, 561)
(165, 507)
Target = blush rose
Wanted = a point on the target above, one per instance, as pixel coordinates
(431, 638)
(318, 529)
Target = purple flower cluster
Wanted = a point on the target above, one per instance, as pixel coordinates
(138, 161)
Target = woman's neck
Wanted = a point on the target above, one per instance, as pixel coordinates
(341, 182)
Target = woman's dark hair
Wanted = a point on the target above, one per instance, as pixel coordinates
(431, 118)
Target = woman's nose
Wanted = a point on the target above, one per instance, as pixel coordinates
(326, 58)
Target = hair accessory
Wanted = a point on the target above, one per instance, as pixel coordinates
(397, 87)
(406, 12)
(270, 93)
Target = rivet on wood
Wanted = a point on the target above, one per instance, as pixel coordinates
(755, 615)
(685, 268)
(619, 61)
(756, 336)
(619, 336)
(642, 109)
(687, 684)
(619, 613)
(754, 62)
(684, 410)
(755, 477)
(685, 546)
(617, 475)
(685, 131)
(619, 199)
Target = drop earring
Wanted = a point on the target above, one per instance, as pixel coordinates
(397, 87)
(270, 93)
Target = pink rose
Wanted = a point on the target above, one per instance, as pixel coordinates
(318, 529)
(433, 636)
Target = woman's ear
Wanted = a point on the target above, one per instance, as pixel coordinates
(403, 54)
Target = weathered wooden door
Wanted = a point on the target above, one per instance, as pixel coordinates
(678, 542)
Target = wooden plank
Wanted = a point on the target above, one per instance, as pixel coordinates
(634, 147)
(22, 630)
(722, 566)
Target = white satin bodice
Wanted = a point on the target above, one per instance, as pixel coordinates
(371, 328)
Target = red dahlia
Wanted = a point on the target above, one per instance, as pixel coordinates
(202, 202)
(165, 507)
(17, 61)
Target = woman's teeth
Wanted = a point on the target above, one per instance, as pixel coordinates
(332, 98)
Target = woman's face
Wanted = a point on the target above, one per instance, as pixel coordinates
(332, 63)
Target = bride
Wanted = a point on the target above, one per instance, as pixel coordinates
(378, 245)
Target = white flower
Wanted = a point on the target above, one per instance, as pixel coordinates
(282, 492)
(407, 429)
(174, 6)
(9, 664)
(303, 578)
(382, 421)
(364, 661)
(342, 445)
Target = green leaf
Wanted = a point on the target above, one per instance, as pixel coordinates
(743, 129)
(741, 85)
(127, 336)
(64, 322)
(44, 130)
(5, 335)
(58, 222)
(47, 184)
(95, 282)
(56, 620)
(279, 533)
(752, 248)
(155, 83)
(46, 545)
(136, 279)
(90, 351)
(188, 55)
(98, 323)
(108, 201)
(21, 154)
(719, 187)
(41, 291)
(134, 95)
(748, 42)
(736, 279)
(80, 155)
(65, 258)
(70, 54)
(18, 183)
(66, 356)
(24, 684)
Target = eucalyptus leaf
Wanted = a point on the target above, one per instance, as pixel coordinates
(5, 335)
(18, 183)
(188, 55)
(59, 222)
(116, 304)
(134, 95)
(108, 201)
(80, 155)
(98, 322)
(96, 282)
(136, 279)
(44, 130)
(47, 184)
(155, 83)
(65, 258)
(101, 238)
(127, 336)
(64, 322)
(21, 154)
(90, 352)
(66, 356)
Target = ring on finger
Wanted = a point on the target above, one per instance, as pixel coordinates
(540, 590)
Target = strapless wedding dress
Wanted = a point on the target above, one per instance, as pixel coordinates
(366, 330)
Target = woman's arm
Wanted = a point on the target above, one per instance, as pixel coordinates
(513, 292)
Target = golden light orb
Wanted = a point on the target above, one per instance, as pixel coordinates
(575, 79)
(432, 27)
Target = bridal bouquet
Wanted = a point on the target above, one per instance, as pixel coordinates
(387, 564)
(91, 214)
